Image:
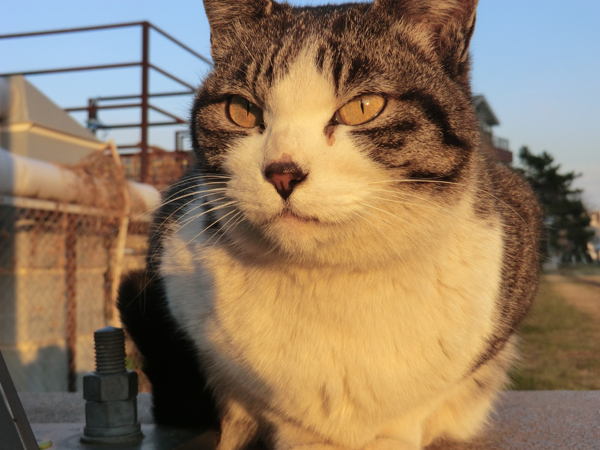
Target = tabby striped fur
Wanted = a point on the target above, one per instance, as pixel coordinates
(375, 308)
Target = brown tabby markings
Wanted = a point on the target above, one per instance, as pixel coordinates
(414, 53)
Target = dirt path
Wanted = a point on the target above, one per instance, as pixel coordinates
(583, 292)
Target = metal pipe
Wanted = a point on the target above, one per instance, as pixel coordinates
(198, 55)
(105, 27)
(95, 106)
(138, 125)
(127, 105)
(71, 284)
(159, 94)
(168, 114)
(172, 77)
(70, 30)
(72, 69)
(27, 179)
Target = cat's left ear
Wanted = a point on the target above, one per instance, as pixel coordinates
(226, 16)
(444, 27)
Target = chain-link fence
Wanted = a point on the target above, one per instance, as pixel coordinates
(59, 269)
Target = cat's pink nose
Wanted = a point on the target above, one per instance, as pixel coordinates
(285, 176)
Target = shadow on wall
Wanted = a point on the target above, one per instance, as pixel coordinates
(39, 375)
(34, 287)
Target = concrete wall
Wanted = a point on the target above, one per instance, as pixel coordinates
(33, 293)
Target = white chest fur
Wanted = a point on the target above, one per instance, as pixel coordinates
(336, 348)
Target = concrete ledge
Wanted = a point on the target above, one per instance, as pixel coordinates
(540, 420)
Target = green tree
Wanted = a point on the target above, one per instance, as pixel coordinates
(565, 216)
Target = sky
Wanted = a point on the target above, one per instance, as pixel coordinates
(536, 61)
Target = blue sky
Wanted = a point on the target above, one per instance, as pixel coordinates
(536, 61)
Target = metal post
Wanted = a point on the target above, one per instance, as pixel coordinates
(109, 244)
(71, 282)
(145, 168)
(92, 121)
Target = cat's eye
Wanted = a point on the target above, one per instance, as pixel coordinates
(244, 113)
(361, 109)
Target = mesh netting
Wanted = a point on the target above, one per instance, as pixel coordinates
(59, 268)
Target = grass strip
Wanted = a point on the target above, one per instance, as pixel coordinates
(560, 346)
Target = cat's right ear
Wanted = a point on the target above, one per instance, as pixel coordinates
(228, 18)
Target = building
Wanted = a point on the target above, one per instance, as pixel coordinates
(497, 146)
(32, 125)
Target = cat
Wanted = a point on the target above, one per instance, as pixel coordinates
(343, 267)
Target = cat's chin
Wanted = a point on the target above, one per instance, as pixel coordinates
(291, 229)
(292, 234)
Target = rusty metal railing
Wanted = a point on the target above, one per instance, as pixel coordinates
(144, 96)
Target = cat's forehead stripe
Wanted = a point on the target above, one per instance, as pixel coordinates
(304, 91)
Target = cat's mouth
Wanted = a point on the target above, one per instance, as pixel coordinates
(286, 214)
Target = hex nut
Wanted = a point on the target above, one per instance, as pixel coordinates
(111, 414)
(110, 387)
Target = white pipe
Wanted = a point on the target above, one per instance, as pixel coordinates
(115, 264)
(21, 176)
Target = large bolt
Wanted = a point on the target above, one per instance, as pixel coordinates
(109, 343)
(111, 393)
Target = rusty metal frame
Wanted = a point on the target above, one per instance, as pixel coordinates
(145, 65)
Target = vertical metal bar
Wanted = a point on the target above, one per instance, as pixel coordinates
(109, 244)
(145, 168)
(71, 281)
(92, 121)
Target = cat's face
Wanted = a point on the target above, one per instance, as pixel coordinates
(340, 133)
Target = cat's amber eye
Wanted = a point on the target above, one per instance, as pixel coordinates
(244, 113)
(361, 109)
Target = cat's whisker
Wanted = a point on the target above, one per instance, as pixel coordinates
(479, 189)
(196, 185)
(410, 180)
(159, 227)
(192, 182)
(182, 224)
(393, 215)
(195, 195)
(216, 208)
(168, 200)
(205, 229)
(416, 206)
(435, 206)
(202, 191)
(179, 224)
(195, 237)
(190, 179)
(224, 231)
